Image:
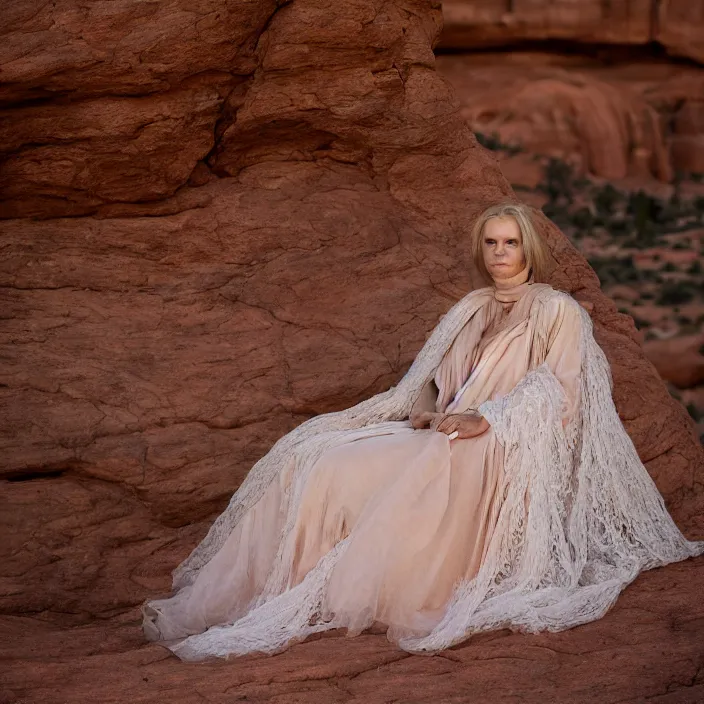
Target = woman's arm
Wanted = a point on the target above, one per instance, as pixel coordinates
(423, 410)
(428, 409)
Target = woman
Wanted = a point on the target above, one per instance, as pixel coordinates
(494, 487)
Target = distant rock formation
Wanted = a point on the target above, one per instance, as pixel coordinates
(598, 123)
(676, 25)
(631, 116)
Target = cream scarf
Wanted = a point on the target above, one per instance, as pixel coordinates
(511, 289)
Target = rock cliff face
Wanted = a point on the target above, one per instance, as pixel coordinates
(676, 25)
(597, 119)
(222, 219)
(638, 113)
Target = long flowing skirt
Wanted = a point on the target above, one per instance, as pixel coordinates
(417, 508)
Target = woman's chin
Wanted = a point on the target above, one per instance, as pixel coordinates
(501, 272)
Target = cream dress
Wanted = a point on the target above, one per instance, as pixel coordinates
(417, 510)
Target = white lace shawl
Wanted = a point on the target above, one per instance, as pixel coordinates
(593, 518)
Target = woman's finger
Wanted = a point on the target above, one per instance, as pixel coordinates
(450, 426)
(439, 421)
(442, 425)
(466, 428)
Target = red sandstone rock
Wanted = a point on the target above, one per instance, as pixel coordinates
(154, 350)
(615, 120)
(679, 26)
(473, 23)
(601, 127)
(117, 102)
(676, 24)
(680, 360)
(647, 649)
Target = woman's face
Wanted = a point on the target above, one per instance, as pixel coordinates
(502, 247)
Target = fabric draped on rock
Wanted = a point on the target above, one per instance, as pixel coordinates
(355, 517)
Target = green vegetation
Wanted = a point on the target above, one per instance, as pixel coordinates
(632, 220)
(494, 143)
(611, 270)
(581, 207)
(640, 323)
(675, 292)
(694, 412)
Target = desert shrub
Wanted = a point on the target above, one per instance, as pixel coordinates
(675, 292)
(645, 212)
(606, 199)
(640, 323)
(583, 219)
(615, 270)
(638, 220)
(619, 226)
(558, 182)
(494, 143)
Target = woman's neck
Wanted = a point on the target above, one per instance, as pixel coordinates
(511, 289)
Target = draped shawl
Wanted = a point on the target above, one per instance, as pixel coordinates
(580, 515)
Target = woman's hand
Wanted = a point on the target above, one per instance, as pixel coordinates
(425, 419)
(467, 425)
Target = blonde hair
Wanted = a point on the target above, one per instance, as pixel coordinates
(534, 246)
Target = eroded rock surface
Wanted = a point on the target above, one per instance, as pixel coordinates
(639, 121)
(677, 25)
(270, 212)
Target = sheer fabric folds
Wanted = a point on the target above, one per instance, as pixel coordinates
(355, 517)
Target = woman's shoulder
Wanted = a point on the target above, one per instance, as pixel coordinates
(554, 299)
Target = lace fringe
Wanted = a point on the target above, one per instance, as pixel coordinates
(581, 516)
